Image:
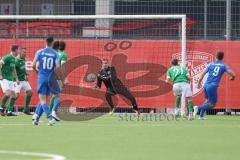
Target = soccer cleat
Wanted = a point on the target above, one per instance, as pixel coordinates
(136, 112)
(9, 113)
(112, 111)
(202, 118)
(54, 115)
(2, 111)
(35, 119)
(195, 111)
(51, 122)
(27, 112)
(177, 112)
(190, 116)
(35, 122)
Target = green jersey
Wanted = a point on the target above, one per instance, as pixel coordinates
(8, 65)
(178, 74)
(62, 57)
(20, 68)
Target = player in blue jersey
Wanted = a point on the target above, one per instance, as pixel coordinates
(59, 47)
(45, 63)
(215, 72)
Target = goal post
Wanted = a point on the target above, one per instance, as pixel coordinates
(106, 27)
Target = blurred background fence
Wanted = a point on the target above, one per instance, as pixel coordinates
(207, 19)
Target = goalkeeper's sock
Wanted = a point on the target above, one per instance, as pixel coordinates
(11, 104)
(27, 101)
(203, 108)
(51, 103)
(177, 103)
(4, 100)
(190, 106)
(56, 104)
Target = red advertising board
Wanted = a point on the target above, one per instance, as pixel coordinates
(140, 64)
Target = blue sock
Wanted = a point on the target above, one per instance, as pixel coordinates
(47, 111)
(203, 108)
(38, 110)
(56, 104)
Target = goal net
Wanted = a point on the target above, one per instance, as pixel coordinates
(140, 47)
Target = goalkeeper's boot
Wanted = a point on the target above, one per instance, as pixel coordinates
(54, 115)
(112, 111)
(195, 111)
(137, 112)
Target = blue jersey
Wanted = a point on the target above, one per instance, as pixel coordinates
(48, 60)
(215, 71)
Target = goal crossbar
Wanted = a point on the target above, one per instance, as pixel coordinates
(36, 17)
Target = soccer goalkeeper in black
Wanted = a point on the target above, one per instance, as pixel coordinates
(114, 86)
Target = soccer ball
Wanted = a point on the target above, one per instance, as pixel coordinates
(91, 77)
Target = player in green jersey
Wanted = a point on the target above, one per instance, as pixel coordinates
(61, 52)
(23, 85)
(180, 79)
(7, 76)
(59, 46)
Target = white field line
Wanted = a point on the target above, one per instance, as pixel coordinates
(43, 156)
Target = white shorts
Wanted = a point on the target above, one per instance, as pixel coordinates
(22, 86)
(7, 85)
(182, 88)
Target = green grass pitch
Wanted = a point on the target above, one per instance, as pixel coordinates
(112, 138)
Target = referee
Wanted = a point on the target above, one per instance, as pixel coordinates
(114, 86)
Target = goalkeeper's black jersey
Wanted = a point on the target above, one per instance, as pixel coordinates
(109, 78)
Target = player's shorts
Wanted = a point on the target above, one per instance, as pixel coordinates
(7, 85)
(22, 86)
(210, 92)
(182, 88)
(47, 86)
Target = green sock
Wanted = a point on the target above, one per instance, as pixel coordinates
(190, 106)
(11, 104)
(51, 103)
(27, 101)
(178, 100)
(4, 100)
